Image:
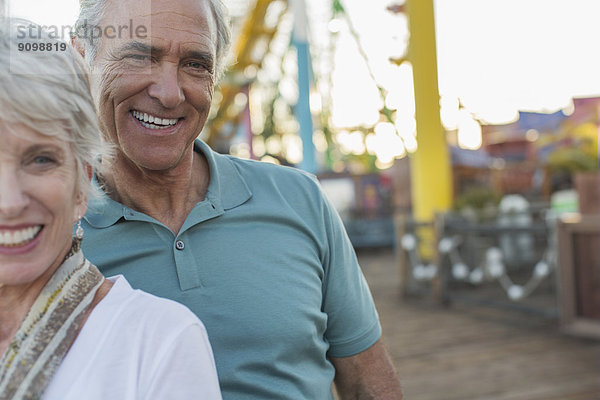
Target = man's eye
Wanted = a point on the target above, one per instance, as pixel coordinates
(138, 57)
(199, 66)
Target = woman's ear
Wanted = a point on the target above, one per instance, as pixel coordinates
(82, 198)
(80, 206)
(80, 210)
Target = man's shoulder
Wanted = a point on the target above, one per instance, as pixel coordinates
(253, 169)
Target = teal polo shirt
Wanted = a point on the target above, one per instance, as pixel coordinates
(265, 263)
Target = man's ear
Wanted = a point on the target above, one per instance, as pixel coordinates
(78, 45)
(89, 171)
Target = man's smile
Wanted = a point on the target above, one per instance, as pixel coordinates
(153, 122)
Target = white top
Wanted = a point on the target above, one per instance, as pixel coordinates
(137, 346)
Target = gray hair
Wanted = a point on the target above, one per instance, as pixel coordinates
(92, 11)
(49, 92)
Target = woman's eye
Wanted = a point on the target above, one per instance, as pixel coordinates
(42, 160)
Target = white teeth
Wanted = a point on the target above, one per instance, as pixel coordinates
(20, 237)
(150, 126)
(157, 122)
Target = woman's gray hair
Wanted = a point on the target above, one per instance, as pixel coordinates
(48, 91)
(92, 11)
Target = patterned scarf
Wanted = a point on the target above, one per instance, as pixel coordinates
(49, 329)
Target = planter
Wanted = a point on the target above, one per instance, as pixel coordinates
(587, 185)
(579, 274)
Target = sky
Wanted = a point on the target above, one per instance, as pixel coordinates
(496, 56)
(526, 54)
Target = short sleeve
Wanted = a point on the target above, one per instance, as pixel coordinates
(185, 369)
(353, 324)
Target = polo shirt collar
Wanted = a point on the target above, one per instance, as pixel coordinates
(102, 210)
(227, 189)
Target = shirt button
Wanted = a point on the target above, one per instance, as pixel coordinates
(179, 245)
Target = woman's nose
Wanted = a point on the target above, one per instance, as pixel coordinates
(13, 198)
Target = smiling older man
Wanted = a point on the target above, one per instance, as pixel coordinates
(255, 250)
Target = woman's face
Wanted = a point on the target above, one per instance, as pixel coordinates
(39, 203)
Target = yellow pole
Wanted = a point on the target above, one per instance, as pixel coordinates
(431, 176)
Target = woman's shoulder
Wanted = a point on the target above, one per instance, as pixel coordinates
(136, 309)
(130, 339)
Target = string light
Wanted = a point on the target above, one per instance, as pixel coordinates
(492, 270)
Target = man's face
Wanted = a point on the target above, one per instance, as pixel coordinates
(154, 92)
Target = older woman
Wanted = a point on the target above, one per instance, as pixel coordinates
(66, 332)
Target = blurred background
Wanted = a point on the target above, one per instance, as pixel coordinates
(458, 140)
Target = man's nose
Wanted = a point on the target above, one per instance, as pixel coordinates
(13, 198)
(166, 85)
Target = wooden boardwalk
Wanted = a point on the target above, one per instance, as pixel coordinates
(477, 352)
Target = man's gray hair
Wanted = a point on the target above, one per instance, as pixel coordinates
(49, 92)
(92, 11)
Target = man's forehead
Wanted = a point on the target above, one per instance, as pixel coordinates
(159, 12)
(160, 21)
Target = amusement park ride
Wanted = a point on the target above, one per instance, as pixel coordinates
(250, 47)
(431, 180)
